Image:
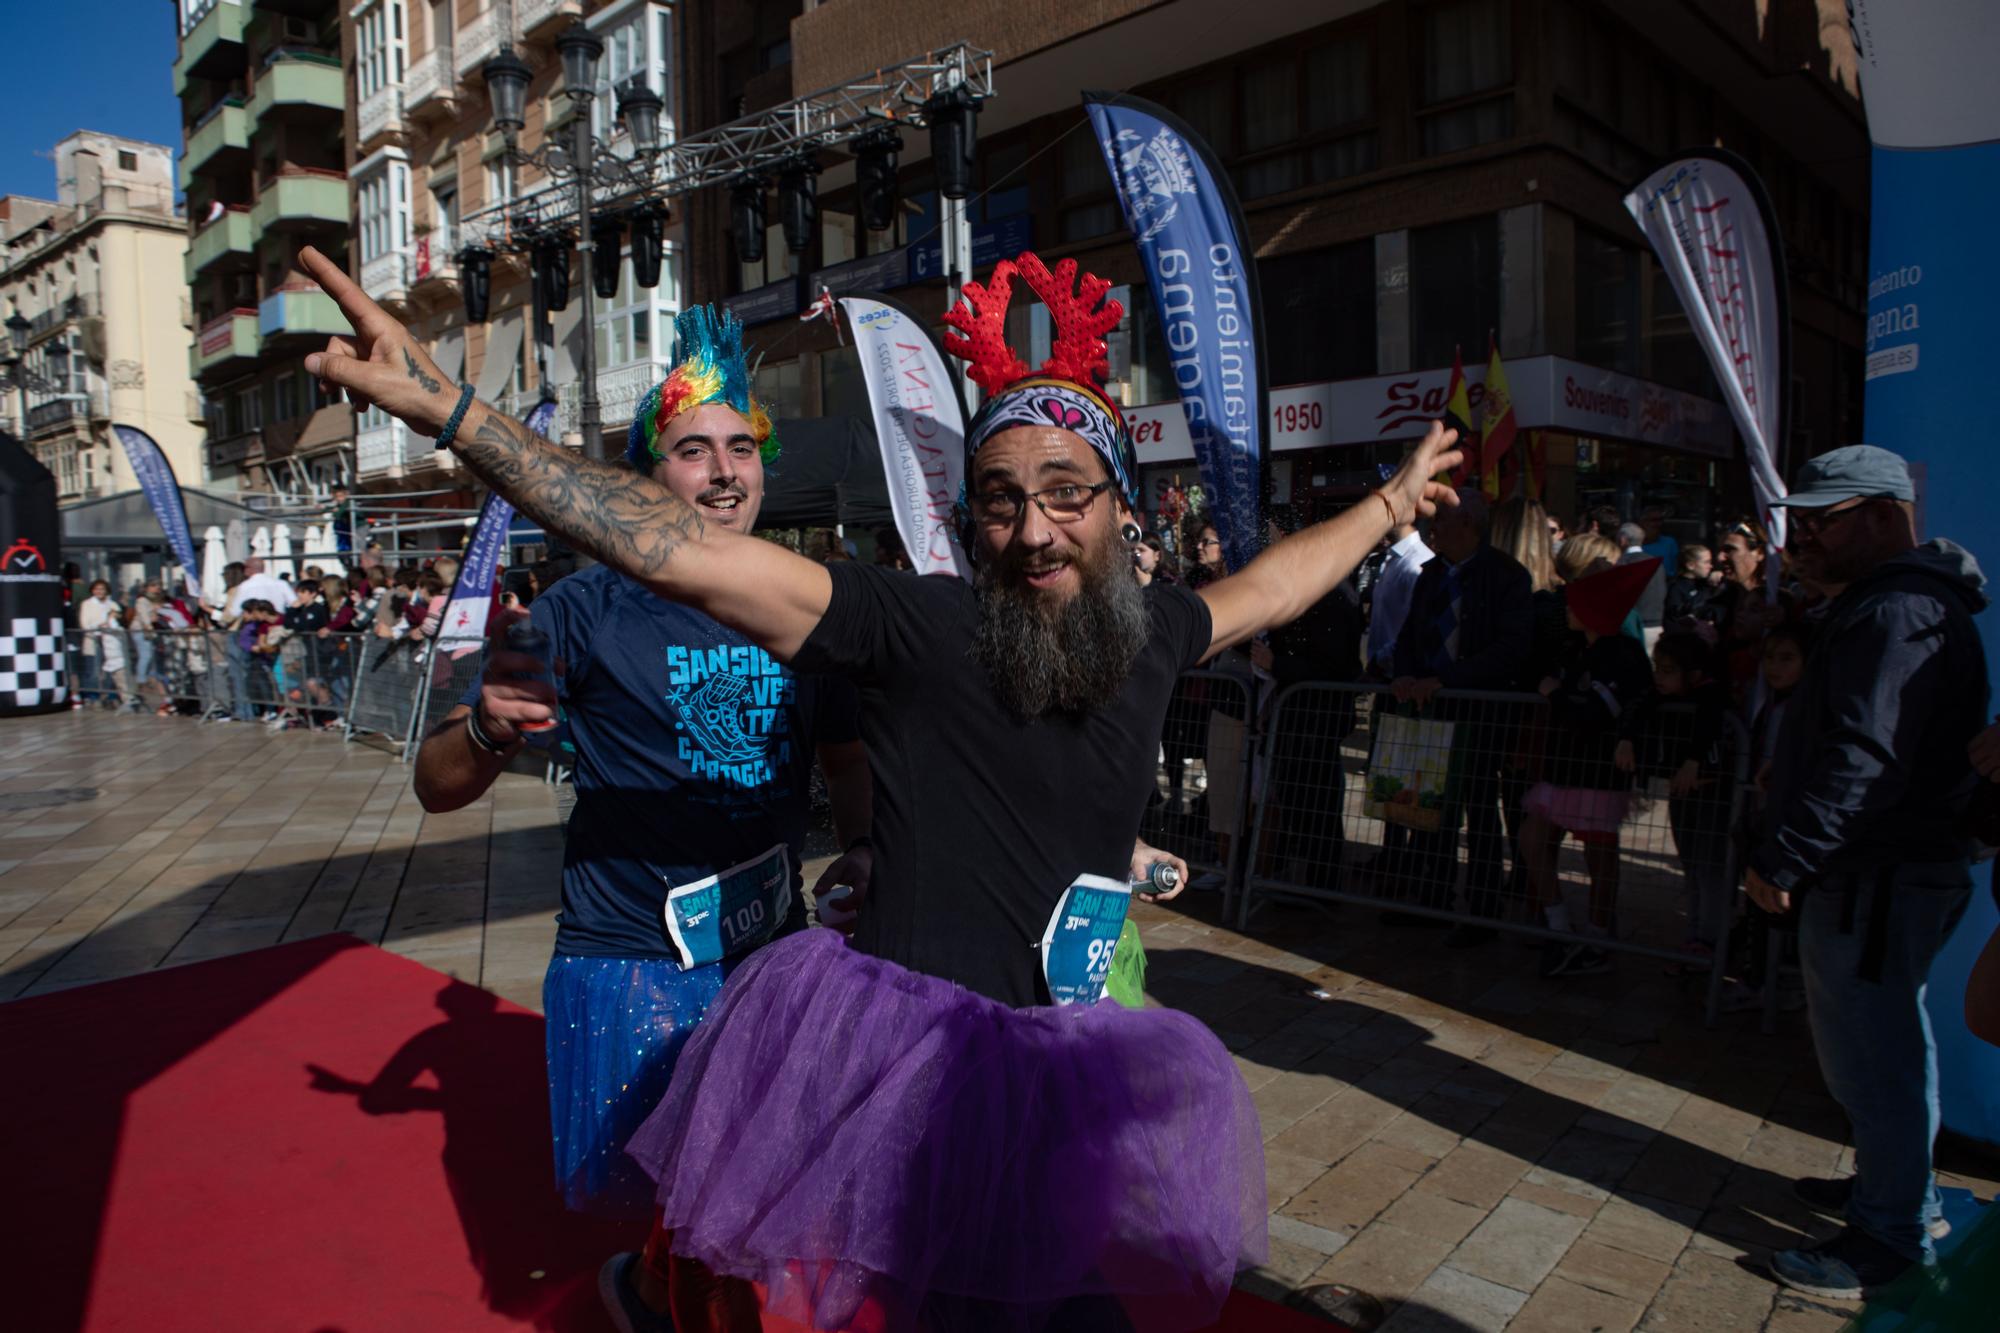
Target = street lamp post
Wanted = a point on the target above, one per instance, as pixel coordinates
(583, 161)
(11, 363)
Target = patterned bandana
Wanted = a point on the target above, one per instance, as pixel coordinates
(1043, 401)
(708, 345)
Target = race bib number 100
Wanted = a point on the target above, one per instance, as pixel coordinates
(730, 913)
(1082, 937)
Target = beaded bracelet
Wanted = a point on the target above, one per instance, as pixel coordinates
(457, 415)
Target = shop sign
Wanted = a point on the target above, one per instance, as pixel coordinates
(871, 273)
(1550, 392)
(774, 300)
(991, 243)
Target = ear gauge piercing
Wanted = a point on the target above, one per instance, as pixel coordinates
(1132, 533)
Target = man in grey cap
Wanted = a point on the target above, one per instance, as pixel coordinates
(1866, 793)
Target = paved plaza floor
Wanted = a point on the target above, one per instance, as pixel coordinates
(1443, 1129)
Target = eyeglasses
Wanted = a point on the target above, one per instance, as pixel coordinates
(1812, 522)
(1207, 542)
(1062, 504)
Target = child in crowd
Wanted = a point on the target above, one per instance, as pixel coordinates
(1691, 747)
(1693, 600)
(1598, 702)
(1782, 664)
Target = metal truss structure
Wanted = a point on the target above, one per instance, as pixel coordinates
(758, 144)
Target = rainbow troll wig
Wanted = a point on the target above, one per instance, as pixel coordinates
(708, 347)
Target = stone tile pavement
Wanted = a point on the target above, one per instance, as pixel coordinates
(1477, 1147)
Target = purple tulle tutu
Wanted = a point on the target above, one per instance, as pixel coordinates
(866, 1140)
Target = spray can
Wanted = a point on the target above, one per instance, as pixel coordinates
(1160, 878)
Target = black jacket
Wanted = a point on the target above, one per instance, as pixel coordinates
(1605, 696)
(1496, 628)
(1870, 769)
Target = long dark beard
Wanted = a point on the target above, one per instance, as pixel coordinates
(1045, 656)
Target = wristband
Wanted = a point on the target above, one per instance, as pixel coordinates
(479, 736)
(450, 430)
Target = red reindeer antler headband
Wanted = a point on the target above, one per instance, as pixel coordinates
(1068, 390)
(1082, 316)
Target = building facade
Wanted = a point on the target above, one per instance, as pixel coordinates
(429, 172)
(264, 104)
(96, 273)
(1420, 178)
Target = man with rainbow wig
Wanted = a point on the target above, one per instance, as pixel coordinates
(940, 1126)
(694, 755)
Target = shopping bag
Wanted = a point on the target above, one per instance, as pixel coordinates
(1409, 778)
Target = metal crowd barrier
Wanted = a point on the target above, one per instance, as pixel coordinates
(387, 674)
(1361, 800)
(1208, 777)
(445, 680)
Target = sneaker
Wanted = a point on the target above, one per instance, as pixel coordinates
(1465, 935)
(1828, 1196)
(1846, 1268)
(1574, 959)
(628, 1313)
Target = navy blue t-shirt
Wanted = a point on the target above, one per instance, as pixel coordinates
(694, 752)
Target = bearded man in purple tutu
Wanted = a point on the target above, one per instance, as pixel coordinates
(934, 1126)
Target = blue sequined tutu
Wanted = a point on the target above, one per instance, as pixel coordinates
(615, 1028)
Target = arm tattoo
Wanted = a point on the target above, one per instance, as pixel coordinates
(425, 382)
(628, 521)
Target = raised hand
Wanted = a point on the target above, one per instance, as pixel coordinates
(1411, 493)
(381, 365)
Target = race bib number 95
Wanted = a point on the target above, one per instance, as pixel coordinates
(1081, 938)
(731, 912)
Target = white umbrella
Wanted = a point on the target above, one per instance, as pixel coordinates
(311, 549)
(260, 542)
(213, 557)
(236, 539)
(281, 553)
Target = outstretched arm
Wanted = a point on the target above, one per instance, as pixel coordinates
(627, 521)
(1291, 576)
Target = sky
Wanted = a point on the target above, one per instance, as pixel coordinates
(86, 65)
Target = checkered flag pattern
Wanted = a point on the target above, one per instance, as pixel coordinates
(31, 663)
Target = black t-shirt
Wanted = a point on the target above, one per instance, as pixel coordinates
(982, 820)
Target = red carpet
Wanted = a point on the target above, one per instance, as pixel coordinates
(319, 1137)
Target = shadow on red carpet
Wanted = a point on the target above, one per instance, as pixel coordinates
(321, 1136)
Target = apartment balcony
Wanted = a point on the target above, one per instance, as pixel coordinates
(386, 278)
(295, 80)
(291, 316)
(69, 310)
(541, 20)
(234, 450)
(302, 200)
(227, 345)
(225, 129)
(477, 42)
(380, 113)
(434, 267)
(213, 48)
(231, 236)
(430, 91)
(419, 451)
(378, 450)
(69, 414)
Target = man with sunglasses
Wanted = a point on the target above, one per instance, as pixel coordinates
(1866, 791)
(936, 1142)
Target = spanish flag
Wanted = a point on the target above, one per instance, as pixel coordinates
(1534, 462)
(1498, 427)
(1458, 417)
